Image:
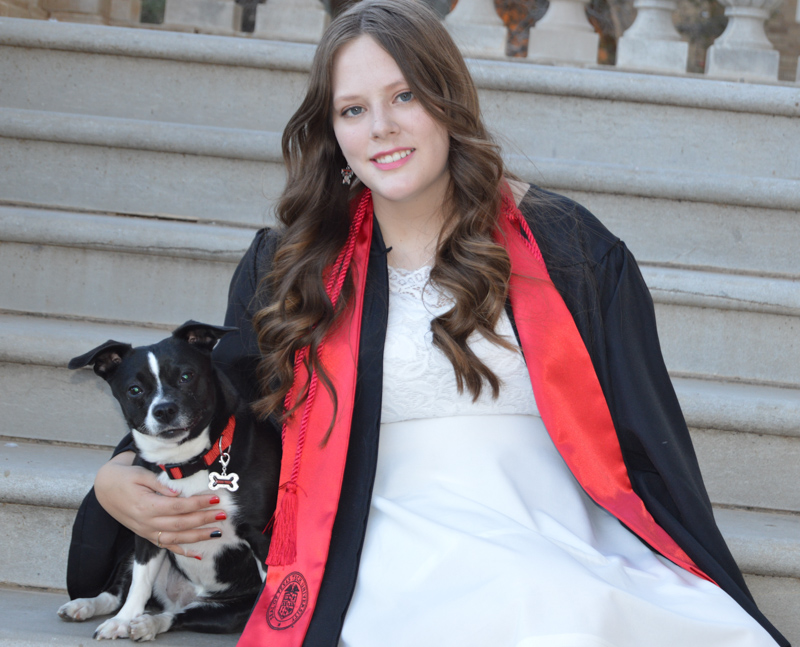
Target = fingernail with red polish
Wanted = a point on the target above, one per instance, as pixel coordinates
(221, 516)
(214, 499)
(216, 534)
(197, 557)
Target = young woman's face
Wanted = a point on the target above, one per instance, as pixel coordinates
(392, 144)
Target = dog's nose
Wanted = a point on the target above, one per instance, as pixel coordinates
(165, 412)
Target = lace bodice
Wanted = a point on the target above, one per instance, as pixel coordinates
(419, 381)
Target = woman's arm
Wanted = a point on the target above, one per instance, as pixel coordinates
(136, 498)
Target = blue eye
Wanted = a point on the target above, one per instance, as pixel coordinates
(405, 97)
(353, 111)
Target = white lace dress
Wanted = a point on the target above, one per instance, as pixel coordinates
(479, 535)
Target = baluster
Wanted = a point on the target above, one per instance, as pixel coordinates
(125, 12)
(564, 34)
(210, 16)
(301, 21)
(652, 42)
(477, 29)
(743, 50)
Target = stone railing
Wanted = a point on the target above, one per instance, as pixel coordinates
(563, 35)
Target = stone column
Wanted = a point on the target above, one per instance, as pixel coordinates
(301, 21)
(86, 11)
(652, 42)
(206, 16)
(477, 29)
(564, 34)
(743, 50)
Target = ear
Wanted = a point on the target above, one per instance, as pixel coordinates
(200, 335)
(105, 358)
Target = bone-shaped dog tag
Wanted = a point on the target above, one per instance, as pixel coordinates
(227, 481)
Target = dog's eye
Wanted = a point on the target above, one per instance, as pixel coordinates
(134, 390)
(186, 377)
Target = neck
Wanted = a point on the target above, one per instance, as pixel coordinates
(410, 229)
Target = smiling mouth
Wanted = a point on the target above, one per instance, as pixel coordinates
(394, 157)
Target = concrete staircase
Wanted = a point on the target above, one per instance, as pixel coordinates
(134, 166)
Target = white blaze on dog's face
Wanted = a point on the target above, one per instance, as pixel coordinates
(158, 402)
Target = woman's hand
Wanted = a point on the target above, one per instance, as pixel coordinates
(136, 498)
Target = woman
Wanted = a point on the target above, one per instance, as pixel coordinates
(502, 344)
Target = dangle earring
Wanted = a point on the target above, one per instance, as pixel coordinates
(347, 175)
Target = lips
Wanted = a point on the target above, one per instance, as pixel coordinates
(169, 434)
(392, 159)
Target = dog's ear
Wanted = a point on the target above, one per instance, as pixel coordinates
(200, 335)
(105, 358)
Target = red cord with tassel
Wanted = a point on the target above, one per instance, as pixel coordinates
(283, 546)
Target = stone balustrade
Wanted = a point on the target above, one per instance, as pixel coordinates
(562, 36)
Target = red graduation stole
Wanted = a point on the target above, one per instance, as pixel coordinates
(568, 395)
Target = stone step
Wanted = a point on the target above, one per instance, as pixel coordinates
(126, 269)
(750, 470)
(30, 620)
(728, 326)
(767, 548)
(41, 489)
(43, 484)
(139, 167)
(757, 240)
(714, 325)
(237, 83)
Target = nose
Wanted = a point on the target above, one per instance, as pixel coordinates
(165, 412)
(383, 123)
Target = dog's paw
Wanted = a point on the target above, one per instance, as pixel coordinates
(77, 610)
(112, 629)
(147, 627)
(82, 609)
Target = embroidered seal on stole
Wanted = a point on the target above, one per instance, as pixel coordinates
(289, 603)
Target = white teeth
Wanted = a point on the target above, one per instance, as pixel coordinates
(385, 159)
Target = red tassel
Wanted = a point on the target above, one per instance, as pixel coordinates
(283, 546)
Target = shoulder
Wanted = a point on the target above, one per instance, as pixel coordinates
(262, 249)
(253, 267)
(566, 231)
(257, 260)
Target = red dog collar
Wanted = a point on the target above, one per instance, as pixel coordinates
(182, 470)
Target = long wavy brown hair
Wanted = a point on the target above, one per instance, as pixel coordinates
(315, 215)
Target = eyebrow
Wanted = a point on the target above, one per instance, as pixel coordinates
(354, 97)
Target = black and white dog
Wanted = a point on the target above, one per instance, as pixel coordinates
(191, 428)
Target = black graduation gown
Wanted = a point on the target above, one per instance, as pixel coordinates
(603, 289)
